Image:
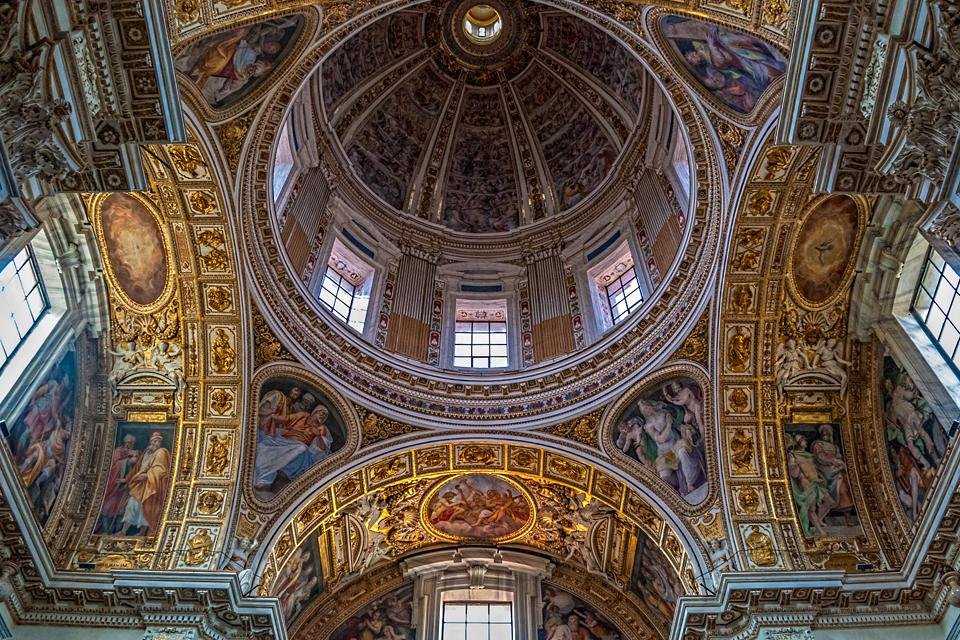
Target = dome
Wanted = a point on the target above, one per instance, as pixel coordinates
(483, 134)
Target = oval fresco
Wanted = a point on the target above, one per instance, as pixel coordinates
(663, 429)
(824, 248)
(229, 66)
(133, 242)
(477, 506)
(733, 67)
(297, 427)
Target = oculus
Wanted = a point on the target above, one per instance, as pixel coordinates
(479, 507)
(482, 24)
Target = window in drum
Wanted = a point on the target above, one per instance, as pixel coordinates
(480, 335)
(623, 293)
(936, 306)
(477, 621)
(24, 300)
(345, 287)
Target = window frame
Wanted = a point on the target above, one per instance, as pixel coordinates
(489, 344)
(631, 308)
(39, 284)
(468, 604)
(923, 317)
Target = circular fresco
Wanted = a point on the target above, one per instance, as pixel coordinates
(824, 248)
(477, 506)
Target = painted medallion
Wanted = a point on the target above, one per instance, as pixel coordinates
(478, 506)
(825, 245)
(133, 243)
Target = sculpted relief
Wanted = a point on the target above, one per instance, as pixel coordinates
(664, 429)
(297, 427)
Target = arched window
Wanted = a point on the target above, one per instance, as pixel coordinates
(936, 306)
(23, 301)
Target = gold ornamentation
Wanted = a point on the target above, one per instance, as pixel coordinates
(748, 499)
(749, 250)
(389, 469)
(212, 252)
(114, 561)
(694, 346)
(476, 454)
(218, 454)
(738, 400)
(232, 135)
(377, 428)
(199, 548)
(583, 429)
(739, 349)
(741, 298)
(523, 458)
(776, 13)
(188, 160)
(743, 6)
(202, 202)
(316, 509)
(187, 11)
(711, 527)
(224, 357)
(221, 401)
(209, 503)
(742, 451)
(563, 468)
(145, 330)
(760, 548)
(731, 141)
(760, 203)
(219, 298)
(778, 161)
(268, 348)
(431, 459)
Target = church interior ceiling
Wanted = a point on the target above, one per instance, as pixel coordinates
(757, 435)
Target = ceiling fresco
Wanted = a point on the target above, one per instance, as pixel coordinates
(740, 449)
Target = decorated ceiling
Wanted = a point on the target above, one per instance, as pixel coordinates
(248, 373)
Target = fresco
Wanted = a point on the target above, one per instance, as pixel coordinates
(481, 194)
(567, 617)
(664, 430)
(389, 618)
(653, 579)
(597, 53)
(819, 480)
(371, 50)
(133, 243)
(138, 479)
(386, 149)
(229, 66)
(824, 247)
(478, 506)
(40, 436)
(575, 147)
(297, 427)
(916, 441)
(734, 67)
(300, 580)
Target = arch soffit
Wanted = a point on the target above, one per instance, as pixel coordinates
(449, 455)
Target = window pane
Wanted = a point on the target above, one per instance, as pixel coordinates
(499, 362)
(948, 340)
(477, 613)
(930, 278)
(499, 613)
(453, 631)
(502, 632)
(943, 295)
(935, 322)
(454, 612)
(461, 362)
(951, 276)
(461, 350)
(476, 632)
(922, 303)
